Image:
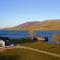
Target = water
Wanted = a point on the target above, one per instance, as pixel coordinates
(25, 33)
(48, 33)
(14, 33)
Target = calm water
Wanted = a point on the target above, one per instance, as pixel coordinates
(48, 34)
(14, 34)
(24, 33)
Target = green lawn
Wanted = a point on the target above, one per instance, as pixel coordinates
(23, 54)
(54, 48)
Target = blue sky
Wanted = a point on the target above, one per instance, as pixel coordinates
(15, 12)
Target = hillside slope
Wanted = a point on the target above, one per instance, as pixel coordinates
(38, 25)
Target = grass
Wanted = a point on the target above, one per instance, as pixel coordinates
(23, 54)
(54, 48)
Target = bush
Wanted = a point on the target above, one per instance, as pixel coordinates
(20, 40)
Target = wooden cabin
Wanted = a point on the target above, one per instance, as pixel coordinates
(40, 38)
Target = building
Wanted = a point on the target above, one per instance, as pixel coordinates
(42, 38)
(2, 43)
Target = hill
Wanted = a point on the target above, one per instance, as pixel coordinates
(38, 25)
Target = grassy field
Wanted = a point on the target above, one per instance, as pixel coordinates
(54, 48)
(23, 54)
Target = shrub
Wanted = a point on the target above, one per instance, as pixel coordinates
(20, 40)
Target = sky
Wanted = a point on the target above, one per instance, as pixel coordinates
(15, 12)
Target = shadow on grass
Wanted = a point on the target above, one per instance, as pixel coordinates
(9, 57)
